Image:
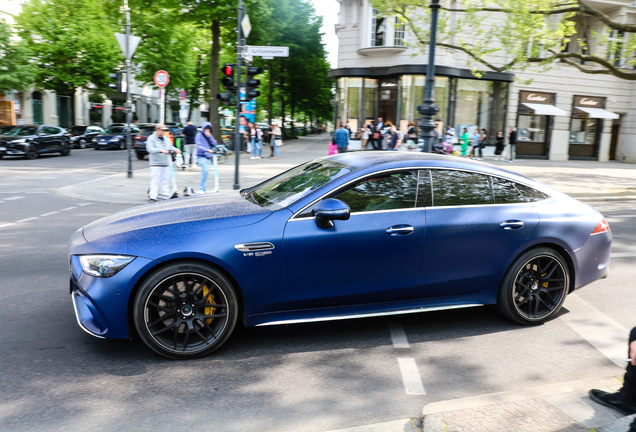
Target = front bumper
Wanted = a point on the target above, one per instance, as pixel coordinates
(101, 304)
(12, 150)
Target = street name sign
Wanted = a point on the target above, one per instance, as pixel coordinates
(267, 51)
(133, 43)
(162, 78)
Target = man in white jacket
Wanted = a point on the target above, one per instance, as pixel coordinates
(159, 148)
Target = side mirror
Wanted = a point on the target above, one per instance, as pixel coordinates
(328, 210)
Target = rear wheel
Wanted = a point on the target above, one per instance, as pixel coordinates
(82, 144)
(122, 145)
(185, 311)
(140, 156)
(66, 149)
(534, 287)
(31, 152)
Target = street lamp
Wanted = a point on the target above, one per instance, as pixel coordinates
(428, 109)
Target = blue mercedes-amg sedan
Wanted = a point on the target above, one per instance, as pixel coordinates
(345, 236)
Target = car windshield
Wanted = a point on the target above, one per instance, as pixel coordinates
(115, 130)
(22, 130)
(146, 131)
(296, 183)
(77, 130)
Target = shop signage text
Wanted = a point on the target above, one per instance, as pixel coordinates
(536, 97)
(589, 101)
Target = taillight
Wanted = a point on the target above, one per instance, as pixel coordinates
(601, 227)
(137, 137)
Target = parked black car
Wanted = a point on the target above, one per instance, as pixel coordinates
(113, 137)
(82, 136)
(30, 141)
(140, 138)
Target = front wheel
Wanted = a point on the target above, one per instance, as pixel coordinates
(534, 287)
(122, 145)
(66, 149)
(185, 311)
(140, 156)
(31, 152)
(82, 144)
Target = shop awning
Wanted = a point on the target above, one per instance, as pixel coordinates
(598, 113)
(544, 109)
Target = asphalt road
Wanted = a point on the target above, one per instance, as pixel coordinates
(311, 377)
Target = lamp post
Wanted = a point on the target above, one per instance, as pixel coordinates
(128, 55)
(428, 109)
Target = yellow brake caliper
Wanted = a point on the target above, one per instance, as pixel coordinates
(210, 300)
(545, 284)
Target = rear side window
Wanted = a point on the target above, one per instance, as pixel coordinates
(383, 192)
(505, 192)
(455, 188)
(532, 195)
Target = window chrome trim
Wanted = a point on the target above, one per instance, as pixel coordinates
(430, 169)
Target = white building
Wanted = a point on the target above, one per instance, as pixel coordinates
(563, 114)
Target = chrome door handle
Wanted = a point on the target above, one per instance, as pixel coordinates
(400, 230)
(511, 224)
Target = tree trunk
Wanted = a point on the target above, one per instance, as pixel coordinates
(213, 79)
(282, 103)
(270, 92)
(195, 87)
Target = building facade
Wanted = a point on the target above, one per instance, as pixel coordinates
(562, 114)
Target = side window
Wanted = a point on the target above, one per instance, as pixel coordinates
(48, 130)
(453, 188)
(505, 192)
(424, 192)
(382, 192)
(532, 195)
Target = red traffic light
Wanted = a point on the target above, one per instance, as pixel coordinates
(228, 70)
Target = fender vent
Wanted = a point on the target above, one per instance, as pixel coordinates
(252, 247)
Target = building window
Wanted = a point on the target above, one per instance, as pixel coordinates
(615, 53)
(532, 128)
(398, 35)
(378, 29)
(583, 130)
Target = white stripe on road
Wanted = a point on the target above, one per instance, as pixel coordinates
(602, 332)
(68, 208)
(26, 220)
(398, 337)
(6, 225)
(411, 377)
(623, 255)
(49, 214)
(84, 204)
(13, 198)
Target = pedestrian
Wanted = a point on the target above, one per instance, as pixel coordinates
(624, 400)
(341, 139)
(500, 146)
(205, 144)
(243, 134)
(364, 137)
(377, 136)
(411, 135)
(448, 139)
(482, 143)
(386, 133)
(393, 141)
(255, 140)
(475, 139)
(190, 132)
(159, 147)
(464, 139)
(512, 140)
(276, 135)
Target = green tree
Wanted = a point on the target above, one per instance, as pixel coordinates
(527, 33)
(16, 73)
(71, 43)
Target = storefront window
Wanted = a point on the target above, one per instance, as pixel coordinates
(473, 105)
(532, 128)
(412, 94)
(340, 102)
(370, 86)
(583, 131)
(348, 97)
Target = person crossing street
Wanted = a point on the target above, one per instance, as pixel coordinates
(159, 148)
(190, 132)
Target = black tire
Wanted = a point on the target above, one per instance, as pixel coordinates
(66, 149)
(31, 152)
(82, 144)
(534, 287)
(95, 147)
(173, 311)
(140, 156)
(122, 145)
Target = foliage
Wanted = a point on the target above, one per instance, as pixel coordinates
(71, 43)
(501, 35)
(16, 73)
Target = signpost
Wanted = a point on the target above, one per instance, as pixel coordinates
(161, 80)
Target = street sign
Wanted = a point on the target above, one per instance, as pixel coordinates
(162, 78)
(246, 25)
(267, 51)
(133, 43)
(267, 58)
(182, 95)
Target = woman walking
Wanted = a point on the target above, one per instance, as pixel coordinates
(255, 141)
(205, 143)
(276, 135)
(364, 137)
(464, 139)
(500, 146)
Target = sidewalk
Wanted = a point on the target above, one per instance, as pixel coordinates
(584, 180)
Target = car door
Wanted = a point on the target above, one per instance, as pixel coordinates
(373, 257)
(474, 226)
(42, 139)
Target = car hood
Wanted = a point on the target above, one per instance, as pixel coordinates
(179, 216)
(16, 137)
(109, 136)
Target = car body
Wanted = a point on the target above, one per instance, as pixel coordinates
(140, 138)
(82, 136)
(30, 141)
(349, 235)
(114, 137)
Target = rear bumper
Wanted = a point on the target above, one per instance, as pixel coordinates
(593, 259)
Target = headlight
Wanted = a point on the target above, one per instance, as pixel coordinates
(19, 141)
(104, 265)
(75, 138)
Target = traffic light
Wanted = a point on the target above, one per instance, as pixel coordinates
(228, 84)
(252, 83)
(119, 84)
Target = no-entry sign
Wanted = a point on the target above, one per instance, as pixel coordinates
(162, 78)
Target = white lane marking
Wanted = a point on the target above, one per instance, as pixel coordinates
(26, 220)
(49, 214)
(84, 204)
(623, 255)
(6, 225)
(398, 337)
(411, 377)
(602, 332)
(13, 198)
(68, 208)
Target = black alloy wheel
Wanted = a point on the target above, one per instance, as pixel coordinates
(140, 156)
(31, 152)
(534, 287)
(122, 145)
(82, 143)
(185, 311)
(66, 148)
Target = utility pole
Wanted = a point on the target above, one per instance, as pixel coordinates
(237, 108)
(128, 97)
(428, 109)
